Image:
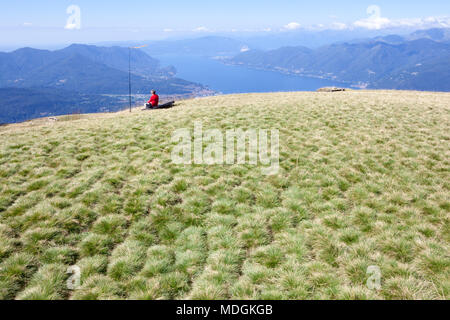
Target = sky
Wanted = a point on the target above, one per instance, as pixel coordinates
(31, 22)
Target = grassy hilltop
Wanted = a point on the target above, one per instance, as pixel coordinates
(364, 181)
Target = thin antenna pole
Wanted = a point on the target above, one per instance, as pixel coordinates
(129, 69)
(129, 75)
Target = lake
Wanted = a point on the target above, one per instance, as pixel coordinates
(239, 79)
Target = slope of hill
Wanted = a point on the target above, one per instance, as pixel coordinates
(363, 181)
(18, 104)
(117, 58)
(79, 74)
(366, 62)
(432, 75)
(435, 34)
(441, 34)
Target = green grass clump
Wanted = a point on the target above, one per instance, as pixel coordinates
(48, 283)
(363, 181)
(126, 260)
(15, 273)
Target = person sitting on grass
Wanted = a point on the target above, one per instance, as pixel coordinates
(154, 101)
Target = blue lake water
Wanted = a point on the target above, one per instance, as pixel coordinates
(239, 79)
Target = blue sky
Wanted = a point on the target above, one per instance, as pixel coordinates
(44, 21)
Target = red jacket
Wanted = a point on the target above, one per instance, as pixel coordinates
(154, 100)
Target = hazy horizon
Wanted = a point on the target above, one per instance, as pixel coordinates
(49, 25)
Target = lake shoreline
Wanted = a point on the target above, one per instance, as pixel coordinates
(291, 73)
(228, 79)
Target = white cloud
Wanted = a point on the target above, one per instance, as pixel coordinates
(292, 26)
(375, 21)
(27, 24)
(201, 29)
(338, 26)
(420, 23)
(168, 30)
(443, 22)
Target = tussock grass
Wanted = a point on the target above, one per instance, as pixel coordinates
(364, 181)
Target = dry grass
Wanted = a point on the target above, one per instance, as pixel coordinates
(364, 181)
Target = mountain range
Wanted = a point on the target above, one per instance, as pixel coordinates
(80, 77)
(390, 62)
(230, 44)
(89, 69)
